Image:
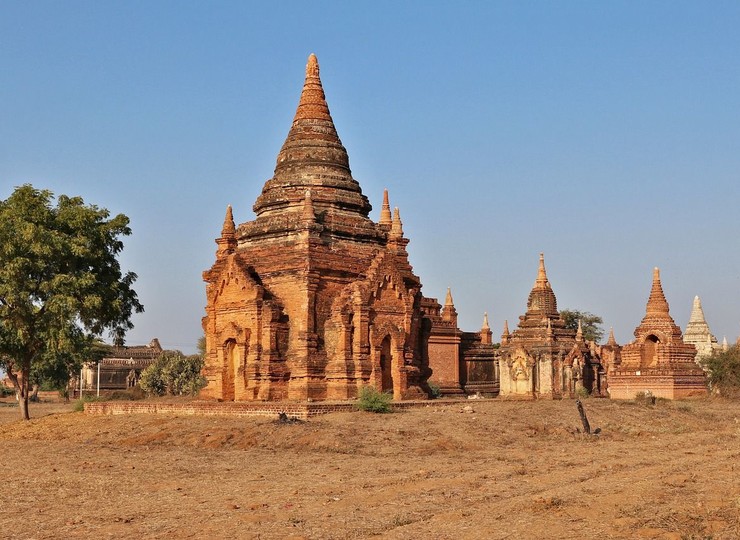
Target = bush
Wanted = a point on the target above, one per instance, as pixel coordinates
(173, 374)
(723, 371)
(371, 400)
(436, 392)
(79, 404)
(582, 392)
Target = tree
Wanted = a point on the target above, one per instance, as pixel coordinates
(723, 371)
(173, 374)
(590, 323)
(61, 284)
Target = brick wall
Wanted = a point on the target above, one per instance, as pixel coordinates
(240, 409)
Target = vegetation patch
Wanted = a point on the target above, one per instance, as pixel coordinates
(371, 400)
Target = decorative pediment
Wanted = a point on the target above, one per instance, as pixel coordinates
(234, 282)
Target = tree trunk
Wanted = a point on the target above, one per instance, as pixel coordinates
(20, 382)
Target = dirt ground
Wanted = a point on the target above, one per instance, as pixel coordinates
(506, 470)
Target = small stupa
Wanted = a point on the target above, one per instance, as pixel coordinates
(658, 361)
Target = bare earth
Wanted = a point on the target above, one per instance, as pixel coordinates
(507, 470)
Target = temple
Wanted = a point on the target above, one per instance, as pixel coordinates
(461, 362)
(658, 360)
(543, 358)
(312, 299)
(698, 334)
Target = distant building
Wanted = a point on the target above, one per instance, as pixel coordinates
(658, 360)
(121, 367)
(543, 358)
(698, 334)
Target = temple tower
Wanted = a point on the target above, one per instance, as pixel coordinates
(542, 358)
(658, 360)
(312, 299)
(698, 334)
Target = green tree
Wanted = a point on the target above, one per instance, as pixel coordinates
(202, 346)
(590, 323)
(61, 284)
(173, 374)
(723, 370)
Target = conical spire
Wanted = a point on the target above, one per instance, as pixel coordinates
(725, 346)
(312, 137)
(397, 224)
(229, 229)
(542, 301)
(657, 305)
(541, 280)
(486, 336)
(505, 335)
(227, 241)
(449, 313)
(579, 332)
(611, 341)
(385, 210)
(313, 157)
(697, 313)
(448, 298)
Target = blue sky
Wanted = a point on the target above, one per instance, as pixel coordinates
(605, 134)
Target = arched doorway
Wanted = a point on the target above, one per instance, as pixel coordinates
(650, 351)
(386, 365)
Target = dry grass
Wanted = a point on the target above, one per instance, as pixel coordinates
(508, 470)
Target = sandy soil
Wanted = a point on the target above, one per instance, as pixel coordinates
(506, 470)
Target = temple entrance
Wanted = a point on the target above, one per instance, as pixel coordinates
(650, 352)
(386, 365)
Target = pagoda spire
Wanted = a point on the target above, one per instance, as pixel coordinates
(385, 211)
(485, 322)
(611, 340)
(697, 313)
(227, 241)
(397, 224)
(657, 305)
(505, 335)
(542, 273)
(579, 332)
(449, 313)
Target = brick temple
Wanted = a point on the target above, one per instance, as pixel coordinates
(312, 299)
(658, 360)
(543, 358)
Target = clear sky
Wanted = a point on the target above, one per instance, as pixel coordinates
(605, 134)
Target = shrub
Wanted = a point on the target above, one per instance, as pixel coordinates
(173, 374)
(582, 392)
(723, 370)
(436, 392)
(371, 400)
(79, 404)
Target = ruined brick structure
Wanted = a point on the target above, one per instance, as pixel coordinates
(120, 368)
(312, 299)
(461, 362)
(657, 360)
(542, 358)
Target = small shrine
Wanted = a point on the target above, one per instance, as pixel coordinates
(658, 361)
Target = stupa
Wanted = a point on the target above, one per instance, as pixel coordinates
(543, 358)
(658, 360)
(312, 300)
(698, 334)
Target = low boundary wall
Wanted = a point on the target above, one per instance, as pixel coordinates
(244, 408)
